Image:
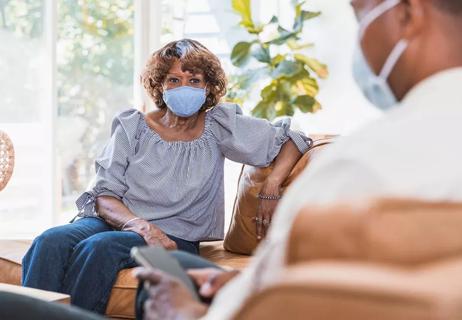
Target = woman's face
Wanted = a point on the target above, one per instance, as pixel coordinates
(177, 78)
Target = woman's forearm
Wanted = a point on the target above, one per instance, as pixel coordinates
(113, 211)
(284, 163)
(117, 215)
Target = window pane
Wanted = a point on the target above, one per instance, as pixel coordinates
(25, 203)
(21, 59)
(95, 79)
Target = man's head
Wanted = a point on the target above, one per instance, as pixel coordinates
(432, 29)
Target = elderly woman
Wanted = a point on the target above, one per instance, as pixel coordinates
(159, 180)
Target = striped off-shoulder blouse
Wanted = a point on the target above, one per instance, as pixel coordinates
(179, 185)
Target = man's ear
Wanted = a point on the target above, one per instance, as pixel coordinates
(414, 17)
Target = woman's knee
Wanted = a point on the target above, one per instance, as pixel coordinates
(97, 244)
(53, 237)
(107, 247)
(50, 243)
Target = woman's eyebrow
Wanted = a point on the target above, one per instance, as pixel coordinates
(174, 74)
(187, 74)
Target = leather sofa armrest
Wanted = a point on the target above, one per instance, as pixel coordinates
(350, 291)
(241, 237)
(396, 231)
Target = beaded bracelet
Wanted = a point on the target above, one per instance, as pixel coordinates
(265, 197)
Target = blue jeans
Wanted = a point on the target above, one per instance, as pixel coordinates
(82, 259)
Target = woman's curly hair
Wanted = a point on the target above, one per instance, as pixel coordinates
(195, 58)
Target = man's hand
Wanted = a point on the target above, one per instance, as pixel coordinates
(151, 234)
(210, 280)
(168, 298)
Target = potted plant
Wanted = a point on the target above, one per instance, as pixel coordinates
(278, 58)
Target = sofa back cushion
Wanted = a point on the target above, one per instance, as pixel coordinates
(332, 290)
(395, 231)
(242, 236)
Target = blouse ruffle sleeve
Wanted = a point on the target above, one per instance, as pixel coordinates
(111, 164)
(252, 140)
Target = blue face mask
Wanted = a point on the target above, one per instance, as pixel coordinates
(375, 87)
(184, 101)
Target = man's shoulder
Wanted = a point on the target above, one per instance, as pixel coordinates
(396, 138)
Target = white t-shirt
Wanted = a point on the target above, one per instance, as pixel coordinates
(414, 150)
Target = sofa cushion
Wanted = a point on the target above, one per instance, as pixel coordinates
(396, 231)
(242, 235)
(332, 290)
(11, 253)
(214, 252)
(122, 299)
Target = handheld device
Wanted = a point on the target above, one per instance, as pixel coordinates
(158, 258)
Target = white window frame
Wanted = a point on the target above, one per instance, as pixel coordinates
(49, 112)
(148, 15)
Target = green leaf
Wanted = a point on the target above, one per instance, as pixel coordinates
(302, 17)
(286, 69)
(243, 8)
(260, 109)
(307, 15)
(269, 98)
(274, 19)
(269, 92)
(294, 45)
(309, 86)
(262, 54)
(247, 78)
(305, 84)
(240, 53)
(284, 108)
(277, 59)
(305, 103)
(283, 36)
(264, 109)
(319, 68)
(298, 9)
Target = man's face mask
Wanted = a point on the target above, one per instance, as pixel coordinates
(376, 87)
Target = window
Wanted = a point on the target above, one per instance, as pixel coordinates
(24, 115)
(95, 61)
(67, 68)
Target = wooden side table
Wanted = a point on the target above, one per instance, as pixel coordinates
(36, 293)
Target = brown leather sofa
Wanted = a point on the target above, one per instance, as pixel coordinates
(388, 259)
(240, 239)
(122, 300)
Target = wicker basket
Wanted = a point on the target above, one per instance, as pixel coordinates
(6, 159)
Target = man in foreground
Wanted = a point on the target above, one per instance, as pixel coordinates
(409, 60)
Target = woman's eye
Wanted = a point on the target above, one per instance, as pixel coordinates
(195, 81)
(173, 80)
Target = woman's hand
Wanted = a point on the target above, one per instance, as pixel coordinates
(283, 165)
(211, 280)
(150, 233)
(266, 207)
